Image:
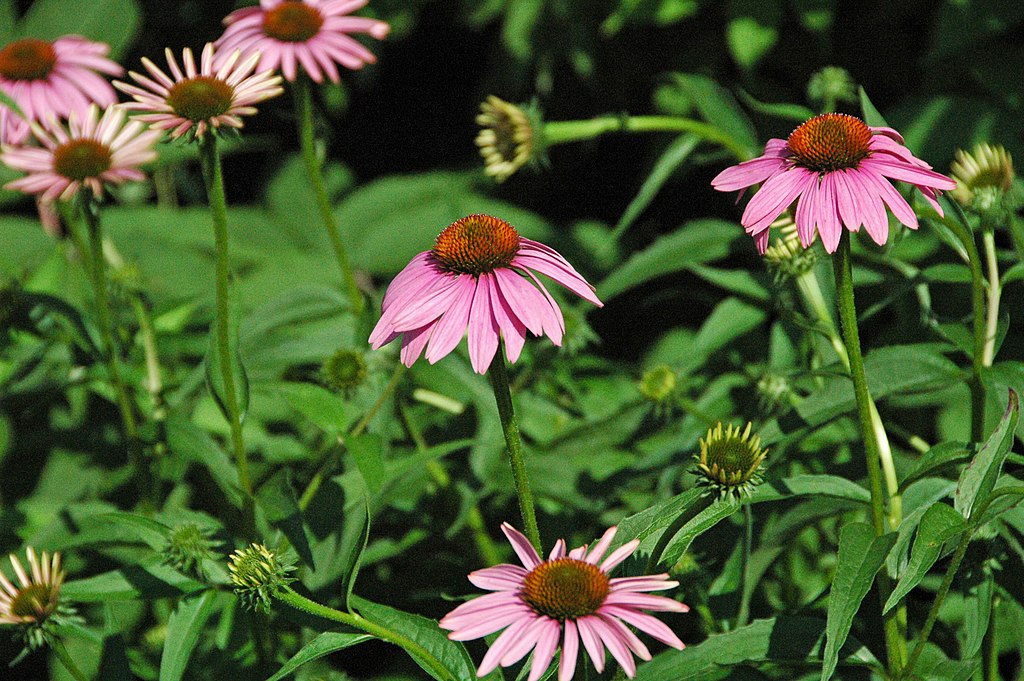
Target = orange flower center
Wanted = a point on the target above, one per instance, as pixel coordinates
(200, 98)
(477, 244)
(36, 602)
(565, 588)
(80, 159)
(27, 59)
(830, 141)
(292, 21)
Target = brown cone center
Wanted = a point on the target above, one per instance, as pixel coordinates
(831, 141)
(476, 244)
(292, 22)
(80, 159)
(27, 59)
(565, 588)
(200, 98)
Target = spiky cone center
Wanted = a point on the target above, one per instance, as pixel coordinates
(565, 588)
(831, 141)
(200, 98)
(476, 244)
(81, 159)
(27, 59)
(292, 21)
(730, 457)
(35, 602)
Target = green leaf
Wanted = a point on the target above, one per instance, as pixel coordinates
(704, 521)
(861, 554)
(871, 115)
(521, 18)
(782, 639)
(148, 580)
(939, 524)
(674, 156)
(651, 520)
(718, 107)
(741, 282)
(8, 17)
(980, 476)
(368, 452)
(426, 633)
(356, 537)
(1014, 273)
(940, 457)
(277, 499)
(213, 366)
(316, 403)
(120, 526)
(183, 629)
(749, 41)
(110, 21)
(114, 665)
(977, 612)
(811, 485)
(326, 643)
(192, 444)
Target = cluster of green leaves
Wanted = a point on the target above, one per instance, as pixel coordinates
(401, 481)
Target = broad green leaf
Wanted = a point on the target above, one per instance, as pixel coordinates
(861, 554)
(979, 478)
(120, 526)
(214, 365)
(114, 665)
(731, 319)
(147, 581)
(1014, 273)
(277, 499)
(871, 115)
(110, 21)
(183, 629)
(426, 632)
(939, 524)
(939, 458)
(521, 19)
(977, 612)
(652, 520)
(749, 41)
(191, 443)
(741, 282)
(811, 485)
(718, 107)
(324, 644)
(368, 452)
(697, 241)
(704, 521)
(319, 405)
(674, 156)
(781, 639)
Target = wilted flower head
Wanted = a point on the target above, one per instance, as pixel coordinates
(510, 137)
(479, 278)
(838, 169)
(258, 575)
(982, 176)
(52, 79)
(565, 599)
(187, 547)
(315, 34)
(194, 100)
(90, 152)
(729, 462)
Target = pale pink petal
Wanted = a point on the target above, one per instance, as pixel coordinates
(522, 546)
(451, 327)
(829, 227)
(508, 638)
(570, 649)
(615, 644)
(591, 641)
(601, 546)
(644, 583)
(645, 623)
(482, 327)
(644, 601)
(748, 173)
(547, 644)
(499, 577)
(774, 197)
(620, 554)
(558, 550)
(539, 627)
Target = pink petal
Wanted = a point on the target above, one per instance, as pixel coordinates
(522, 546)
(615, 644)
(511, 636)
(591, 641)
(451, 327)
(645, 623)
(547, 644)
(775, 196)
(748, 173)
(499, 577)
(570, 649)
(483, 327)
(620, 554)
(601, 546)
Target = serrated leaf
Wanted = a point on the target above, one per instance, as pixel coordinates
(109, 21)
(980, 476)
(861, 554)
(426, 632)
(183, 629)
(277, 499)
(326, 643)
(939, 524)
(811, 485)
(368, 452)
(674, 156)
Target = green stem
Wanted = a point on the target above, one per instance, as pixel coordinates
(743, 614)
(327, 465)
(214, 178)
(992, 307)
(895, 643)
(98, 276)
(960, 227)
(300, 602)
(65, 658)
(560, 132)
(692, 511)
(990, 648)
(510, 427)
(304, 110)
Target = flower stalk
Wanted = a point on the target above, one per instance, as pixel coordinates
(304, 109)
(514, 444)
(560, 132)
(214, 179)
(895, 643)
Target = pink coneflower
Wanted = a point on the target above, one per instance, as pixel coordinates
(478, 277)
(52, 79)
(39, 594)
(92, 151)
(839, 168)
(196, 100)
(567, 591)
(310, 33)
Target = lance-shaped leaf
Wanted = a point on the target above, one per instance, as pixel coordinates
(979, 478)
(939, 524)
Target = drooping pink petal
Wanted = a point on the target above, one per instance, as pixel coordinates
(483, 327)
(615, 644)
(645, 623)
(748, 173)
(522, 546)
(570, 650)
(547, 644)
(451, 327)
(591, 641)
(618, 555)
(499, 577)
(508, 638)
